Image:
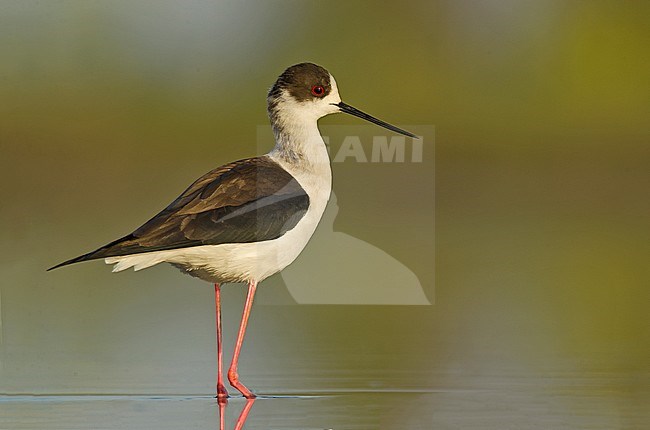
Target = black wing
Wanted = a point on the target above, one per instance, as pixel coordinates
(249, 200)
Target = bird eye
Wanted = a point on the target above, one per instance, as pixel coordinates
(318, 90)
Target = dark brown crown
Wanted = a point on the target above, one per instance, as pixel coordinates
(299, 80)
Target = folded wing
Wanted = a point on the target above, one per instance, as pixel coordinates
(249, 200)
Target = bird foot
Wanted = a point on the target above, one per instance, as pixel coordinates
(234, 381)
(222, 393)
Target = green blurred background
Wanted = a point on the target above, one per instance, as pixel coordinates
(109, 109)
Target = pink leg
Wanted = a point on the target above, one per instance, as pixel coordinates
(221, 388)
(233, 377)
(239, 425)
(222, 412)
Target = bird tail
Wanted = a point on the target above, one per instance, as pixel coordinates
(110, 250)
(137, 261)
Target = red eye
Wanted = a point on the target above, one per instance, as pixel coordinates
(318, 90)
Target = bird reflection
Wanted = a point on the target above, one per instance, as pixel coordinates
(241, 420)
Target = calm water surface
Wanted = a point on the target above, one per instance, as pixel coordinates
(562, 403)
(147, 361)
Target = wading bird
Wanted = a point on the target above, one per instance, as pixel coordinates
(247, 220)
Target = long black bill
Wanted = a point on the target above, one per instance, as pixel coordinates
(356, 112)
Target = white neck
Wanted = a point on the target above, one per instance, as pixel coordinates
(300, 144)
(300, 150)
(297, 139)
